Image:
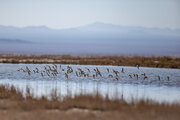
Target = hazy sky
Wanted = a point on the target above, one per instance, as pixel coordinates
(72, 13)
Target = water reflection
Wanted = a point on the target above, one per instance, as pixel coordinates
(129, 91)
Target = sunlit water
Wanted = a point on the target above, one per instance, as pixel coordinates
(162, 90)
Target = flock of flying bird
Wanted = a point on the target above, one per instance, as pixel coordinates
(52, 71)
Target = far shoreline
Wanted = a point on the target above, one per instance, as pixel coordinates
(133, 61)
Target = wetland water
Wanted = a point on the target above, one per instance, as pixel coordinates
(162, 85)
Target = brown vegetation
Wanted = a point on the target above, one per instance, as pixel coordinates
(15, 105)
(160, 62)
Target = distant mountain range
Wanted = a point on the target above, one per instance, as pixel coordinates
(97, 38)
(13, 41)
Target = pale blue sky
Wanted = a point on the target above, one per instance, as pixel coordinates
(71, 13)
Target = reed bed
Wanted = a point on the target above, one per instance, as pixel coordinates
(158, 62)
(89, 106)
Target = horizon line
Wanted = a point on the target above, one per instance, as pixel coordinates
(92, 23)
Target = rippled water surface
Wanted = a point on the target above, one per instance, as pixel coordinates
(161, 85)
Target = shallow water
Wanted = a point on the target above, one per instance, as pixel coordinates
(162, 90)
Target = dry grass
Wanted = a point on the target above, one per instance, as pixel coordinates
(15, 105)
(160, 62)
